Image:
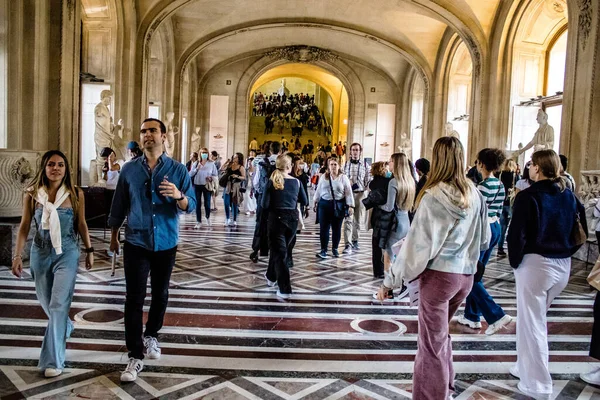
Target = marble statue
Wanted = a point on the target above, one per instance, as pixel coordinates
(450, 130)
(106, 134)
(172, 131)
(282, 89)
(195, 142)
(405, 145)
(543, 137)
(589, 193)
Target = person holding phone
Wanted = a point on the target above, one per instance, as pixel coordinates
(151, 193)
(359, 175)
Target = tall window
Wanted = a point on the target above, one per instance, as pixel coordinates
(459, 94)
(416, 117)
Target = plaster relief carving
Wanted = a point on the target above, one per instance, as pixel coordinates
(589, 193)
(302, 54)
(585, 20)
(17, 168)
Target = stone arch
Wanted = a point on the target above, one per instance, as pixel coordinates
(338, 68)
(465, 24)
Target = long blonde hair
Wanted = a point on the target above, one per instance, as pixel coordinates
(549, 165)
(282, 163)
(447, 166)
(405, 196)
(40, 179)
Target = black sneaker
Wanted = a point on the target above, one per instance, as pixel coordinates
(254, 257)
(322, 254)
(501, 253)
(335, 253)
(355, 245)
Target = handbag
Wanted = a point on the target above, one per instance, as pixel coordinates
(340, 211)
(578, 236)
(594, 276)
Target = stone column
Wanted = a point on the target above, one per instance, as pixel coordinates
(580, 137)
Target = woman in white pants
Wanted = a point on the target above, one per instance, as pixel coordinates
(540, 246)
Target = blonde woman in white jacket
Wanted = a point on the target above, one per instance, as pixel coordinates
(441, 249)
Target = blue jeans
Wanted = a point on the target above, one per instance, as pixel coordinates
(229, 206)
(504, 221)
(202, 192)
(54, 276)
(479, 302)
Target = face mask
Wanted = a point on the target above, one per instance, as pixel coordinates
(388, 174)
(204, 156)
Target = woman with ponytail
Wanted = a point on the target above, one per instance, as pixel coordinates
(280, 200)
(57, 207)
(540, 246)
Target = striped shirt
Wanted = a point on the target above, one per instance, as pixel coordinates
(493, 193)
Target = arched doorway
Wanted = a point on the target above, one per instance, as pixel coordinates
(299, 102)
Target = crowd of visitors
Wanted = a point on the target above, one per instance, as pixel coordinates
(294, 111)
(434, 228)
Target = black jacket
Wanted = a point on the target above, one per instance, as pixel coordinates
(382, 222)
(542, 220)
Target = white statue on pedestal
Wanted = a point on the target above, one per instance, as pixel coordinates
(450, 130)
(171, 132)
(405, 145)
(195, 142)
(282, 89)
(543, 137)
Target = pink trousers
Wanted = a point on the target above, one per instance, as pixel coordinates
(441, 294)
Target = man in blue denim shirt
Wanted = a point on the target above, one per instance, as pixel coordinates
(151, 192)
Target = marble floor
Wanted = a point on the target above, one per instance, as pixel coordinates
(227, 336)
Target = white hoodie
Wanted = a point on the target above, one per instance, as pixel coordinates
(443, 236)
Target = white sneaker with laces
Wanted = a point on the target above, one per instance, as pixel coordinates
(283, 295)
(592, 377)
(227, 222)
(208, 222)
(464, 321)
(152, 349)
(134, 367)
(234, 223)
(269, 282)
(52, 372)
(198, 225)
(496, 326)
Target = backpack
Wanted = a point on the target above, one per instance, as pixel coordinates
(266, 170)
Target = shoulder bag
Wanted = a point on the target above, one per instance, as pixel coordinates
(340, 211)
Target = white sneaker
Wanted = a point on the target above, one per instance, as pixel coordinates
(198, 225)
(234, 223)
(134, 367)
(592, 377)
(269, 282)
(152, 349)
(496, 326)
(227, 222)
(464, 321)
(283, 295)
(52, 372)
(208, 222)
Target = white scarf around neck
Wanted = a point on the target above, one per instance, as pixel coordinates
(50, 219)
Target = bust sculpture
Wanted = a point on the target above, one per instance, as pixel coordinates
(450, 130)
(405, 145)
(171, 132)
(195, 142)
(543, 137)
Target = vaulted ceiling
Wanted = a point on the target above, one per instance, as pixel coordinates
(387, 35)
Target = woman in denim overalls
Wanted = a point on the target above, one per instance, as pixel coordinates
(57, 208)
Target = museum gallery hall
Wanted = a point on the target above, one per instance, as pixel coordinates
(220, 199)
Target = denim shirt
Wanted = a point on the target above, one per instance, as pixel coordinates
(152, 219)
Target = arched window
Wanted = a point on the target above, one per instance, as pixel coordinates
(459, 95)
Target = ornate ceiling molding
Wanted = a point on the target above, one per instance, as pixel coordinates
(302, 54)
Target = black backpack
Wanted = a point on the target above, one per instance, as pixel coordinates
(266, 170)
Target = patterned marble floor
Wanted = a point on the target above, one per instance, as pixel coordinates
(227, 336)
